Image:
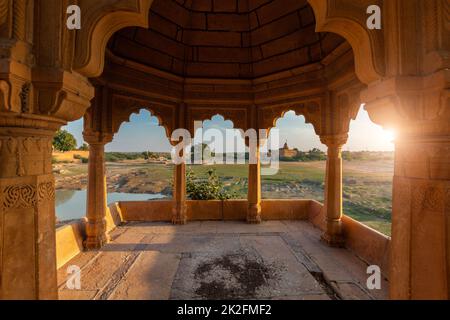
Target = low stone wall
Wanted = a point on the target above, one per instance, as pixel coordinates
(370, 245)
(215, 210)
(69, 242)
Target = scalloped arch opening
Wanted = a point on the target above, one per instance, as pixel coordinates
(294, 130)
(142, 121)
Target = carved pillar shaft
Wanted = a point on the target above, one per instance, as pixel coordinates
(179, 194)
(420, 249)
(27, 215)
(254, 187)
(96, 197)
(333, 190)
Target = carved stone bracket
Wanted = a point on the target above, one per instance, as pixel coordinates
(15, 153)
(412, 105)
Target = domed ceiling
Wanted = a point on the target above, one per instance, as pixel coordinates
(233, 39)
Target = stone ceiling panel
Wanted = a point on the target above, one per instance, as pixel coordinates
(230, 39)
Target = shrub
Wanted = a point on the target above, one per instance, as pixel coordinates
(206, 189)
(84, 147)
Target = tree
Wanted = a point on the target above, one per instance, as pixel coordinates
(84, 147)
(64, 141)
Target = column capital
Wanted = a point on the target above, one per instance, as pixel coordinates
(96, 137)
(335, 140)
(413, 105)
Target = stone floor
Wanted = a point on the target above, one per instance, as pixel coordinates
(217, 260)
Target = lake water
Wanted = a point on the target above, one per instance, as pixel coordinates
(71, 204)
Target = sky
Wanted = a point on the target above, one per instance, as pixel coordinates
(143, 133)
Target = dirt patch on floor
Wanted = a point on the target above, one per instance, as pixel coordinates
(233, 276)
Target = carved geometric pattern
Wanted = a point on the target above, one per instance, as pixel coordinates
(19, 197)
(46, 192)
(27, 196)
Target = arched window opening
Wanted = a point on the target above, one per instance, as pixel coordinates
(69, 160)
(137, 163)
(368, 169)
(301, 161)
(218, 169)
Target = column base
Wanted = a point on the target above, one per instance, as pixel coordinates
(95, 238)
(179, 215)
(335, 241)
(179, 221)
(95, 243)
(254, 214)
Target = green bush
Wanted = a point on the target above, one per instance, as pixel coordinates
(206, 189)
(84, 147)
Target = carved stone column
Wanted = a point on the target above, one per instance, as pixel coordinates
(420, 254)
(419, 110)
(27, 212)
(333, 189)
(179, 195)
(254, 187)
(96, 204)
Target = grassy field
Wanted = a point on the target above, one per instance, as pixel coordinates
(367, 186)
(367, 183)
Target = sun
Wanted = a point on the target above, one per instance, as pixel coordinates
(388, 135)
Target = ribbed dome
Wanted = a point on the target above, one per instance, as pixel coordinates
(236, 39)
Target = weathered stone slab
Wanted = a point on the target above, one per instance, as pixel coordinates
(81, 260)
(76, 294)
(187, 243)
(149, 278)
(294, 278)
(220, 260)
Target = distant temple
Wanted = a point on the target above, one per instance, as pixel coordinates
(286, 152)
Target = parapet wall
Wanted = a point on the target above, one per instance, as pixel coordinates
(370, 245)
(214, 210)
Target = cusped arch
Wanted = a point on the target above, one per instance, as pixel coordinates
(129, 107)
(310, 111)
(237, 115)
(100, 21)
(348, 19)
(124, 120)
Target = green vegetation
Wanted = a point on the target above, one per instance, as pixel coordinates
(84, 147)
(79, 157)
(367, 155)
(367, 192)
(211, 188)
(121, 156)
(64, 141)
(311, 155)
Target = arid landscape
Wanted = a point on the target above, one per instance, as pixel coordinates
(367, 183)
